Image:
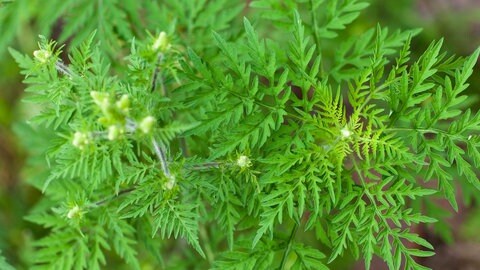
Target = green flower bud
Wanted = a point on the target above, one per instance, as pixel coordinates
(42, 55)
(146, 124)
(170, 184)
(345, 133)
(104, 121)
(244, 162)
(81, 139)
(123, 104)
(114, 132)
(161, 44)
(74, 212)
(101, 99)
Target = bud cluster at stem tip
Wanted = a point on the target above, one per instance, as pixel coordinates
(170, 184)
(123, 104)
(345, 133)
(74, 212)
(81, 139)
(114, 132)
(161, 43)
(42, 55)
(244, 162)
(146, 124)
(101, 99)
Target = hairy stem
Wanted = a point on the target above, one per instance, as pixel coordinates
(162, 157)
(157, 77)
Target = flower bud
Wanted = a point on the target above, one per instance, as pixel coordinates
(345, 133)
(244, 162)
(80, 140)
(101, 99)
(114, 132)
(170, 184)
(146, 124)
(42, 55)
(161, 44)
(74, 212)
(123, 104)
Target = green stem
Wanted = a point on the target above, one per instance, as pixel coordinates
(289, 247)
(157, 77)
(206, 240)
(111, 198)
(427, 130)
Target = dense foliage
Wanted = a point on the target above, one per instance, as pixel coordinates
(241, 139)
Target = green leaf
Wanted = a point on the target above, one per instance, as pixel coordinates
(178, 220)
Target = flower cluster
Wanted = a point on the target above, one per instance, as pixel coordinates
(244, 162)
(81, 139)
(115, 118)
(114, 113)
(146, 124)
(345, 133)
(42, 55)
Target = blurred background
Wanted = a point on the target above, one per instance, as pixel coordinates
(456, 20)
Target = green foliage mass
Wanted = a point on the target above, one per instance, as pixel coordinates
(241, 140)
(4, 265)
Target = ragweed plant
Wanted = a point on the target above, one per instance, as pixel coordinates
(243, 144)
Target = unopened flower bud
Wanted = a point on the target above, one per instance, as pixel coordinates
(114, 132)
(123, 104)
(146, 124)
(244, 162)
(104, 121)
(42, 55)
(101, 99)
(74, 212)
(170, 184)
(161, 44)
(80, 140)
(345, 133)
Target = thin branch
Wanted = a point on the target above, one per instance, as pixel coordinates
(159, 149)
(206, 240)
(62, 68)
(107, 200)
(162, 157)
(205, 166)
(157, 77)
(289, 246)
(427, 130)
